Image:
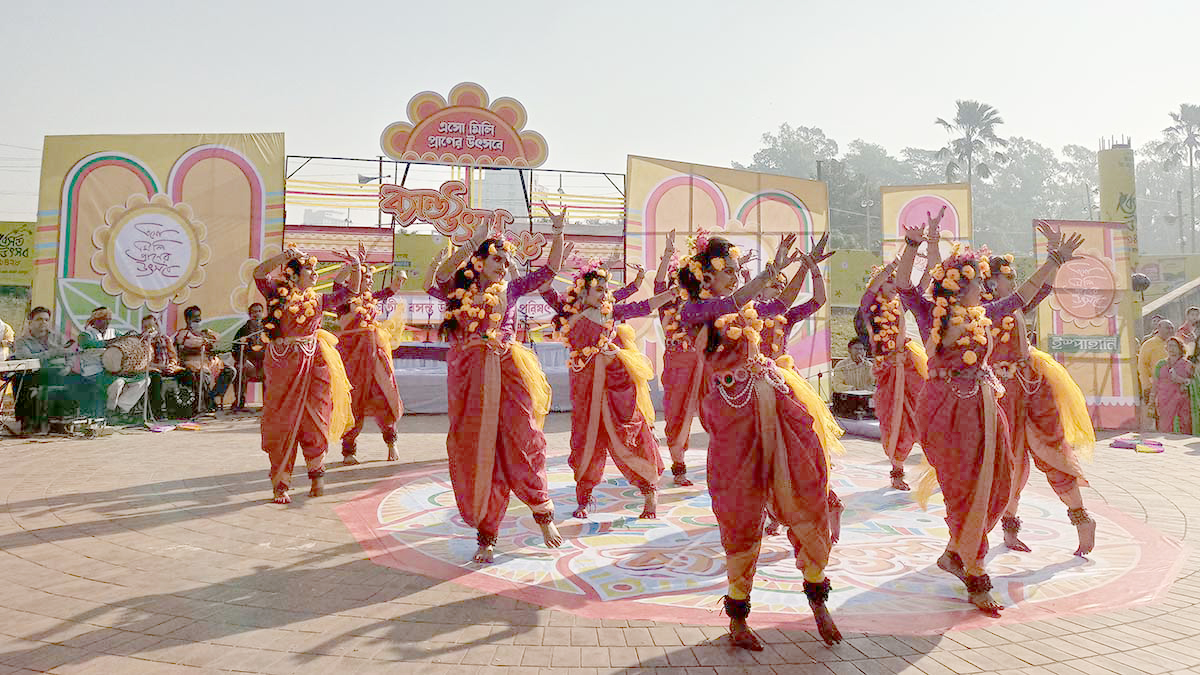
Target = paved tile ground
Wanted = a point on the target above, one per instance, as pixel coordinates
(159, 553)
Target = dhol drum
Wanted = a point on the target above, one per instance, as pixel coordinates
(854, 404)
(128, 355)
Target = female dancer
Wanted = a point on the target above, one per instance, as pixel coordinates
(1171, 378)
(367, 352)
(681, 366)
(764, 445)
(901, 369)
(498, 394)
(962, 425)
(610, 390)
(306, 404)
(1047, 415)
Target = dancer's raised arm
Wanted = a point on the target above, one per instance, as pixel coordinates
(451, 263)
(664, 265)
(558, 223)
(1062, 250)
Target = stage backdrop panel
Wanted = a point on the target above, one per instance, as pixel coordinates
(754, 210)
(901, 205)
(1088, 322)
(149, 224)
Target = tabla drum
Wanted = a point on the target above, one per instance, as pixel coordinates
(853, 404)
(129, 355)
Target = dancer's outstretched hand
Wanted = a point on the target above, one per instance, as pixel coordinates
(783, 254)
(1067, 246)
(913, 232)
(557, 220)
(818, 252)
(1052, 233)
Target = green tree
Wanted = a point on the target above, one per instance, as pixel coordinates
(1027, 187)
(1181, 147)
(973, 141)
(794, 151)
(1080, 179)
(924, 166)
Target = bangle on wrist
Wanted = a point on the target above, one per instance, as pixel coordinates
(912, 242)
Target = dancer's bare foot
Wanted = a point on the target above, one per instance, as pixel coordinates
(825, 625)
(349, 460)
(580, 512)
(485, 553)
(741, 636)
(650, 506)
(682, 480)
(1014, 543)
(1087, 537)
(318, 487)
(835, 521)
(392, 455)
(986, 603)
(550, 534)
(951, 563)
(281, 495)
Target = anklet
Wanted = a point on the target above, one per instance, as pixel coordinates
(980, 583)
(544, 518)
(316, 473)
(817, 591)
(1010, 524)
(737, 609)
(1079, 516)
(678, 468)
(485, 539)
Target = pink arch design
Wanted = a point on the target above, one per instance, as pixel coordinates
(649, 214)
(257, 191)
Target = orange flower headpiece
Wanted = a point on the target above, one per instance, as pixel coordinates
(963, 264)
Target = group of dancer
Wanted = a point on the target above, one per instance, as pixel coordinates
(983, 404)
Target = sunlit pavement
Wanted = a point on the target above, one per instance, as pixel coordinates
(160, 553)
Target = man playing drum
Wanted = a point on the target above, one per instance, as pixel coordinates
(118, 377)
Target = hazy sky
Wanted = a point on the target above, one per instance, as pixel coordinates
(698, 81)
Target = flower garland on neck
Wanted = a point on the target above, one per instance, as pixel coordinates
(480, 309)
(1009, 323)
(744, 324)
(365, 306)
(300, 305)
(586, 278)
(885, 315)
(948, 311)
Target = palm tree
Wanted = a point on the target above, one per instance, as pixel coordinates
(973, 141)
(1182, 145)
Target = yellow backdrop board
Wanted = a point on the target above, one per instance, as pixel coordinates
(754, 210)
(152, 223)
(16, 254)
(1088, 322)
(909, 205)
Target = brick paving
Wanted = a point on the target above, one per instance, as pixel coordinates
(158, 553)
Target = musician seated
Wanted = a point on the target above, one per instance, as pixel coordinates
(35, 398)
(164, 362)
(248, 353)
(105, 391)
(202, 370)
(855, 373)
